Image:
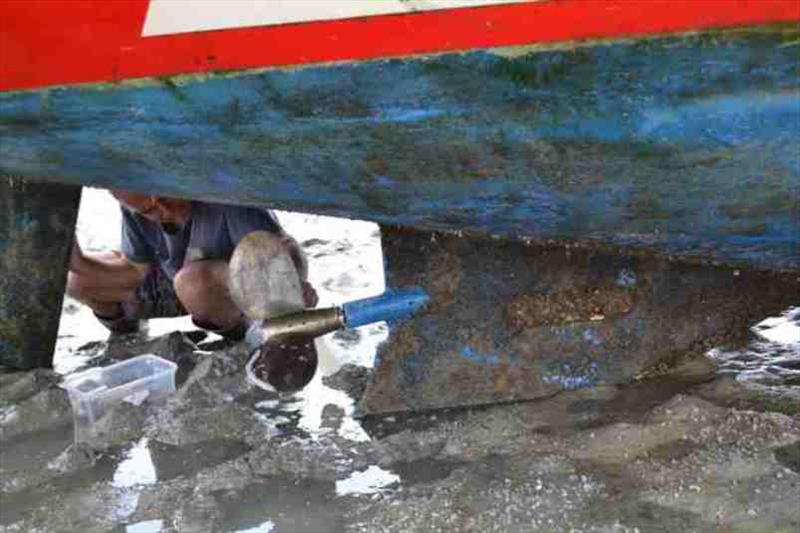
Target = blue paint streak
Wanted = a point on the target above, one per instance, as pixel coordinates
(727, 120)
(402, 114)
(389, 306)
(389, 116)
(626, 278)
(589, 335)
(571, 376)
(570, 382)
(488, 359)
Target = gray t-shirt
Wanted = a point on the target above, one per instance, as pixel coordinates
(212, 232)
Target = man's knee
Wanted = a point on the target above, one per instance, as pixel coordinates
(198, 280)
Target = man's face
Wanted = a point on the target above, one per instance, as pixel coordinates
(171, 213)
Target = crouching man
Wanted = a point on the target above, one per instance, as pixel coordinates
(173, 262)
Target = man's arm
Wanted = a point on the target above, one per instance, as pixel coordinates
(111, 275)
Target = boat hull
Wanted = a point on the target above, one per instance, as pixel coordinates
(686, 145)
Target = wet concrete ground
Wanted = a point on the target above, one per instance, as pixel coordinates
(713, 445)
(691, 451)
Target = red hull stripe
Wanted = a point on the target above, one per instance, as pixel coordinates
(57, 42)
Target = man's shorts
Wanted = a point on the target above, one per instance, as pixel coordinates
(156, 298)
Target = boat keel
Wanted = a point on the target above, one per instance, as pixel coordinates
(37, 224)
(509, 321)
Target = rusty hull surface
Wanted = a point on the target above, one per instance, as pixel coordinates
(510, 322)
(37, 222)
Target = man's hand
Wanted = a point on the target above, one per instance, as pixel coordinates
(298, 256)
(103, 276)
(310, 297)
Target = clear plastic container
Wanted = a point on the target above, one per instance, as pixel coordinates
(95, 392)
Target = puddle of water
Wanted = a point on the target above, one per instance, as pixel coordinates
(424, 470)
(283, 504)
(8, 414)
(266, 527)
(130, 471)
(784, 329)
(125, 503)
(309, 404)
(370, 481)
(37, 448)
(137, 468)
(148, 462)
(146, 526)
(771, 361)
(135, 471)
(303, 413)
(789, 456)
(14, 505)
(172, 461)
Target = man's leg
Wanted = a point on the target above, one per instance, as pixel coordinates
(202, 287)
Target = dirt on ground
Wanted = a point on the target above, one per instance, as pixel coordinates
(690, 451)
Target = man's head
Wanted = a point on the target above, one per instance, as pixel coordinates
(169, 212)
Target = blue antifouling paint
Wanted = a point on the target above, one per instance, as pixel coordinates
(481, 358)
(389, 306)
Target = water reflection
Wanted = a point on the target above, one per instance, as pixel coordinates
(772, 360)
(784, 329)
(281, 504)
(308, 411)
(137, 468)
(266, 527)
(146, 526)
(134, 472)
(371, 481)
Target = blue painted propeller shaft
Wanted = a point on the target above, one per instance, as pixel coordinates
(390, 306)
